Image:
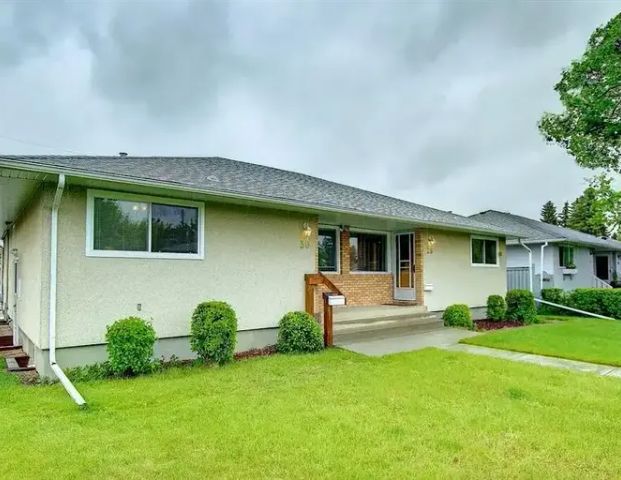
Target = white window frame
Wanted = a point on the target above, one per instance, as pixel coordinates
(492, 265)
(337, 231)
(387, 261)
(113, 195)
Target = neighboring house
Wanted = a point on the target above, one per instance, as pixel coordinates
(568, 258)
(154, 236)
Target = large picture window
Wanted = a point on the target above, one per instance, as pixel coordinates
(127, 225)
(367, 252)
(327, 249)
(484, 251)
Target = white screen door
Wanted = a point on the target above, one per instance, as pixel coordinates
(404, 267)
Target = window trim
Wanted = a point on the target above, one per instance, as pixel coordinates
(91, 194)
(337, 231)
(485, 265)
(387, 261)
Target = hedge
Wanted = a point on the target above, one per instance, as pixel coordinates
(554, 295)
(602, 301)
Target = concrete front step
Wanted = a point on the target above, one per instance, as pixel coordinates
(368, 329)
(372, 312)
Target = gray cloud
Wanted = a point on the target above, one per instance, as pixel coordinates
(433, 102)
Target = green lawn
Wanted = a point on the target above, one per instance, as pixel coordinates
(576, 338)
(430, 414)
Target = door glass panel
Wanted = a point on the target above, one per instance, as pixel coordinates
(403, 255)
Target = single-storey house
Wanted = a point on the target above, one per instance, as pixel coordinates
(89, 240)
(555, 256)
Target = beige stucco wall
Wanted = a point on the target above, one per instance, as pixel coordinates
(30, 236)
(453, 277)
(253, 260)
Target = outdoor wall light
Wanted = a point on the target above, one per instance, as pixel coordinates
(431, 241)
(305, 236)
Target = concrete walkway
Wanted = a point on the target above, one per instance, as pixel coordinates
(448, 339)
(440, 338)
(602, 370)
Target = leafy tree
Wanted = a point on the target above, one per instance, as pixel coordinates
(589, 127)
(563, 217)
(548, 213)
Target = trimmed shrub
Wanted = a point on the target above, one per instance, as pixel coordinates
(130, 346)
(457, 315)
(299, 332)
(521, 306)
(214, 332)
(496, 307)
(554, 295)
(602, 301)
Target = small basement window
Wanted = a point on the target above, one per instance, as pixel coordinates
(484, 251)
(327, 248)
(127, 225)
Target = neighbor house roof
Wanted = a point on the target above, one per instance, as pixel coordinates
(534, 231)
(222, 176)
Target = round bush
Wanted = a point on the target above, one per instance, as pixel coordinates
(521, 306)
(214, 332)
(457, 315)
(496, 307)
(130, 346)
(298, 332)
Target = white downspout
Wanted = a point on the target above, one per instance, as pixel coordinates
(530, 265)
(71, 390)
(541, 276)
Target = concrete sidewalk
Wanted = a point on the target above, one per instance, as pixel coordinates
(440, 338)
(602, 370)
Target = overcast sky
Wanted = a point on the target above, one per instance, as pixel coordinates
(433, 102)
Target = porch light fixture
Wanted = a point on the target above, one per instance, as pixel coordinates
(305, 236)
(431, 241)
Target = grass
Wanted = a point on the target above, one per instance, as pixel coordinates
(430, 414)
(576, 338)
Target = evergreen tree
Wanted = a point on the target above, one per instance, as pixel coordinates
(587, 215)
(548, 213)
(564, 215)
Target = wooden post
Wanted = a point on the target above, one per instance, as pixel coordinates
(327, 322)
(309, 301)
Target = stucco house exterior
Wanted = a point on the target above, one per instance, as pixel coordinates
(568, 258)
(89, 240)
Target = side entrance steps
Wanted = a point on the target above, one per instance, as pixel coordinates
(359, 324)
(17, 361)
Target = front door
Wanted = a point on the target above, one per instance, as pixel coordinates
(404, 267)
(601, 267)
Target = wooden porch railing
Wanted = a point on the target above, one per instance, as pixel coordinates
(313, 280)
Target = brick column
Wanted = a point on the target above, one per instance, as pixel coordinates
(420, 250)
(344, 250)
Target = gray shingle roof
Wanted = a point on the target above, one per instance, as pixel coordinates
(532, 231)
(220, 175)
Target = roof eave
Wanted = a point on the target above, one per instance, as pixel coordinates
(56, 170)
